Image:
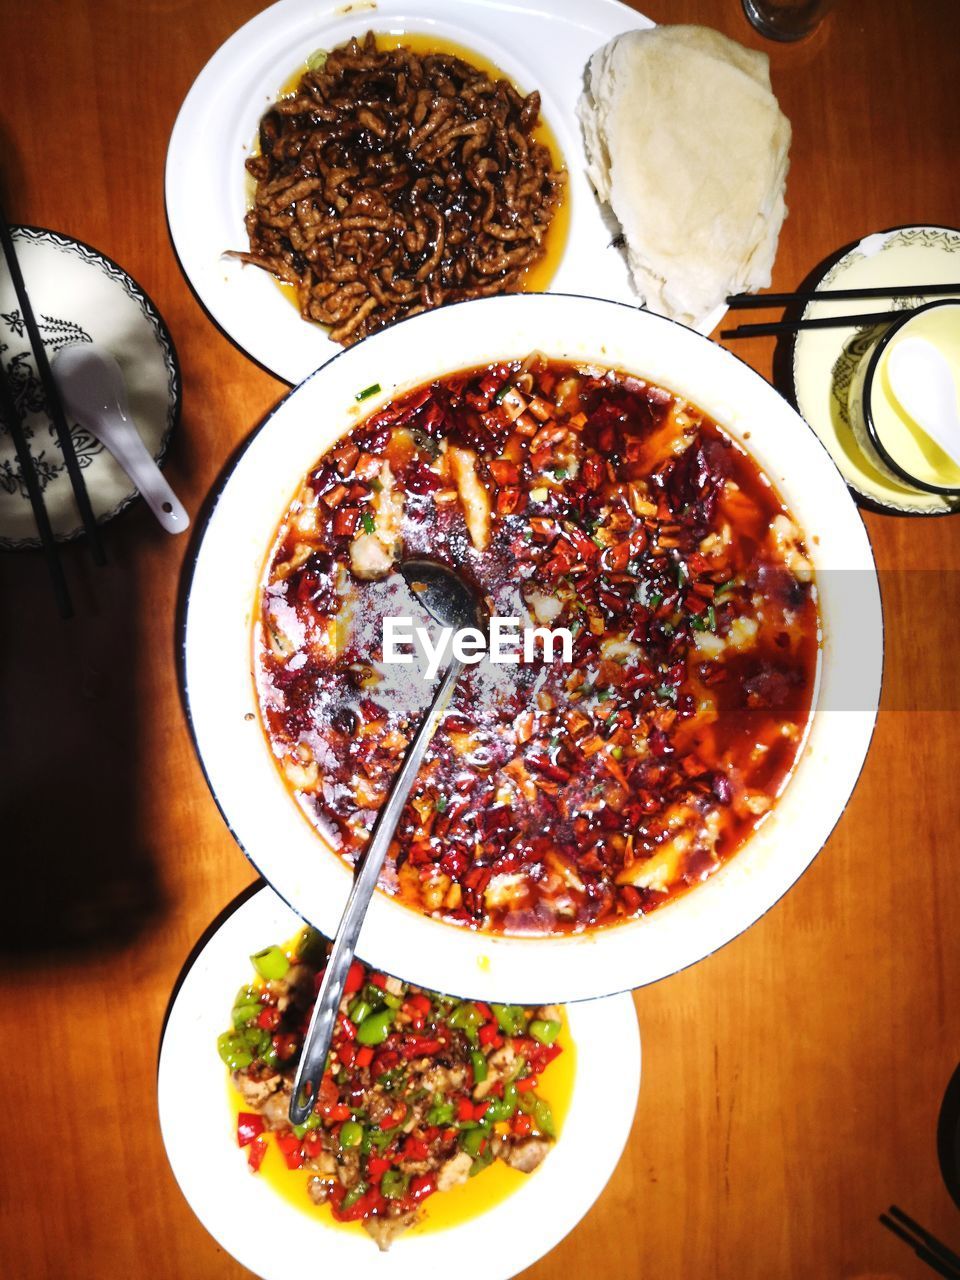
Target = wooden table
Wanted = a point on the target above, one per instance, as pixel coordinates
(792, 1081)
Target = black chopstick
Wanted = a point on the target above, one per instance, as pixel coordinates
(931, 1241)
(51, 395)
(11, 415)
(936, 1255)
(817, 322)
(755, 300)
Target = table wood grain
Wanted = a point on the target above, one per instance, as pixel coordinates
(792, 1081)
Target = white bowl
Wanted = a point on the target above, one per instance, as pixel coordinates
(199, 1133)
(221, 699)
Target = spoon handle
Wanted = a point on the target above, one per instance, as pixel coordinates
(320, 1032)
(123, 440)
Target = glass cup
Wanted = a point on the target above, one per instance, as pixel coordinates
(786, 19)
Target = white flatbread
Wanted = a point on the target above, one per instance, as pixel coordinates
(687, 144)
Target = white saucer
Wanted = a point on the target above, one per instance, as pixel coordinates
(824, 360)
(78, 295)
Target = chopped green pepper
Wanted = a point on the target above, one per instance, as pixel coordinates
(234, 1051)
(378, 1138)
(358, 1010)
(355, 1194)
(270, 963)
(540, 1113)
(511, 1017)
(368, 522)
(472, 1141)
(481, 1162)
(441, 1113)
(479, 1066)
(394, 1184)
(502, 1108)
(466, 1017)
(311, 948)
(243, 1013)
(317, 60)
(545, 1030)
(351, 1134)
(375, 1028)
(257, 1039)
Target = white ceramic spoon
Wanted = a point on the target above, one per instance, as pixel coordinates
(923, 383)
(94, 392)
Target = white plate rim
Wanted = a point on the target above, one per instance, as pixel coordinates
(200, 1142)
(855, 732)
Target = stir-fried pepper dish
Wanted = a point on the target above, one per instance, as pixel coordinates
(421, 1092)
(557, 795)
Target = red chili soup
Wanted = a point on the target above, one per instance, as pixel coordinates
(556, 796)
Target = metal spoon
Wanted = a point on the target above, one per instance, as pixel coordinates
(923, 383)
(94, 392)
(451, 602)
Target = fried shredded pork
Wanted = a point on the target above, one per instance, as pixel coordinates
(390, 183)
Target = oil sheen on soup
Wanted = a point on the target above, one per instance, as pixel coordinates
(556, 796)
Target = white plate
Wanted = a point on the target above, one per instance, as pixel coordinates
(538, 46)
(221, 699)
(825, 360)
(78, 295)
(199, 1131)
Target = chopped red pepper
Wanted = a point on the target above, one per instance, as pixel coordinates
(415, 1047)
(346, 1028)
(355, 978)
(289, 1145)
(464, 1109)
(415, 1148)
(385, 1061)
(255, 1153)
(421, 1187)
(489, 1034)
(286, 1046)
(346, 1053)
(249, 1127)
(269, 1019)
(377, 1166)
(363, 1057)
